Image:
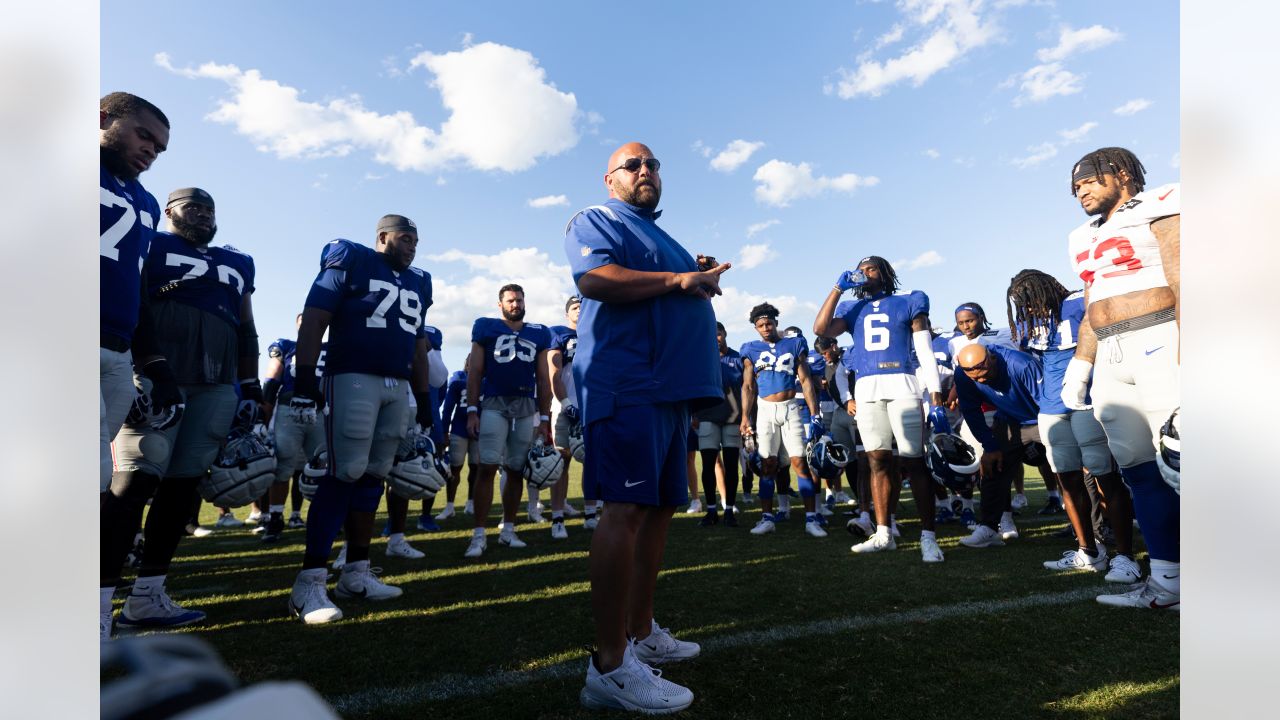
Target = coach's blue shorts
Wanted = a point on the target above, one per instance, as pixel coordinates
(637, 455)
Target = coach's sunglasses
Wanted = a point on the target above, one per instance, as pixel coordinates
(633, 165)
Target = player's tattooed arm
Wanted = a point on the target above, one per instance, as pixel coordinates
(748, 395)
(1168, 232)
(1086, 341)
(827, 325)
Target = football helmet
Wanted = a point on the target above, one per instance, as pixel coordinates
(938, 421)
(827, 457)
(543, 465)
(577, 445)
(243, 471)
(1034, 454)
(755, 461)
(952, 462)
(309, 480)
(1170, 456)
(415, 474)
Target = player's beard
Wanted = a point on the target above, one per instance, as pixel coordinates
(192, 233)
(115, 162)
(645, 196)
(513, 316)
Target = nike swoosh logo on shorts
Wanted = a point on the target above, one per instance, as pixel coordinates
(1154, 349)
(632, 484)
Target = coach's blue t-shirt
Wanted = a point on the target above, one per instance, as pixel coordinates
(1012, 389)
(653, 351)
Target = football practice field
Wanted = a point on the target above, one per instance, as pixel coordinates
(790, 626)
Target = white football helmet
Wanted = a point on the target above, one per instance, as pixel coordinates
(414, 474)
(543, 465)
(243, 471)
(309, 480)
(576, 444)
(1169, 459)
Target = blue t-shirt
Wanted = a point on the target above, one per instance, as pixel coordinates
(775, 363)
(212, 279)
(286, 351)
(510, 356)
(1056, 347)
(455, 404)
(127, 216)
(881, 330)
(1012, 390)
(818, 370)
(378, 312)
(731, 369)
(660, 350)
(564, 339)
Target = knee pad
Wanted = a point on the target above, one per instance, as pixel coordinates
(134, 487)
(805, 486)
(766, 488)
(366, 494)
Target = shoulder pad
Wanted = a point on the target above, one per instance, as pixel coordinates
(416, 271)
(340, 255)
(604, 210)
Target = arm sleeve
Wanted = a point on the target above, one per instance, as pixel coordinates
(971, 409)
(923, 342)
(437, 373)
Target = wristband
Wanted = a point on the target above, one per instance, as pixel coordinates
(473, 409)
(545, 418)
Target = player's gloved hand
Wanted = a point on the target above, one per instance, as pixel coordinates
(248, 411)
(851, 280)
(162, 407)
(307, 400)
(570, 412)
(815, 429)
(1075, 384)
(423, 416)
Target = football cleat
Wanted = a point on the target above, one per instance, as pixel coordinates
(1123, 570)
(535, 513)
(591, 521)
(730, 518)
(557, 530)
(632, 686)
(893, 528)
(1018, 502)
(1008, 531)
(661, 647)
(509, 538)
(822, 509)
(570, 510)
(273, 529)
(228, 520)
(814, 529)
(875, 543)
(469, 508)
(194, 531)
(1078, 559)
(446, 513)
(861, 526)
(358, 581)
(402, 549)
(711, 518)
(309, 601)
(694, 508)
(766, 525)
(155, 610)
(842, 498)
(968, 518)
(477, 547)
(1052, 507)
(1148, 594)
(930, 551)
(427, 524)
(341, 560)
(982, 536)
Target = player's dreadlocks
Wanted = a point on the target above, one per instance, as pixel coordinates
(887, 276)
(123, 104)
(1035, 301)
(1112, 160)
(764, 310)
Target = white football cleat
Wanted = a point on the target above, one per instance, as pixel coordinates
(661, 646)
(842, 498)
(861, 526)
(591, 522)
(822, 509)
(815, 529)
(509, 538)
(570, 510)
(535, 513)
(155, 610)
(341, 560)
(446, 513)
(1018, 502)
(695, 507)
(198, 530)
(763, 527)
(403, 549)
(557, 530)
(477, 546)
(893, 529)
(1124, 570)
(227, 520)
(930, 551)
(875, 543)
(1078, 559)
(309, 601)
(1008, 531)
(982, 536)
(358, 581)
(1148, 594)
(632, 686)
(469, 508)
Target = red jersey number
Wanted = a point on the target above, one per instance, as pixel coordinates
(1124, 259)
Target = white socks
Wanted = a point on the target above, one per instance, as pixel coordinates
(395, 538)
(1168, 575)
(148, 585)
(928, 535)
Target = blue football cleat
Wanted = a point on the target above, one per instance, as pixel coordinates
(967, 517)
(781, 515)
(944, 515)
(427, 523)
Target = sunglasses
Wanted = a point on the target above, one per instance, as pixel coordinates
(633, 165)
(980, 366)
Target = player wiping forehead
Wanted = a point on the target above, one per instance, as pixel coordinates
(772, 368)
(886, 327)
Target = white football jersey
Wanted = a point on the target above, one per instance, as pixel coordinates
(994, 336)
(1122, 255)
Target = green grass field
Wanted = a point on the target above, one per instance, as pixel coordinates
(791, 626)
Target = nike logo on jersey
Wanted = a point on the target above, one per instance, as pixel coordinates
(632, 484)
(1154, 349)
(1165, 195)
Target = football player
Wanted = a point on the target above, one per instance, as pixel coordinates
(373, 303)
(133, 133)
(564, 343)
(462, 449)
(886, 327)
(1127, 256)
(772, 368)
(719, 432)
(1045, 318)
(200, 299)
(824, 365)
(508, 369)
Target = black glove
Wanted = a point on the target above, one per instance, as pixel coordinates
(247, 412)
(424, 417)
(165, 404)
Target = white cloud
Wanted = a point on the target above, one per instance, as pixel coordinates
(932, 154)
(484, 87)
(751, 256)
(1077, 134)
(757, 228)
(1133, 107)
(547, 201)
(928, 258)
(733, 306)
(1038, 154)
(953, 27)
(734, 155)
(1073, 41)
(781, 182)
(1045, 81)
(702, 149)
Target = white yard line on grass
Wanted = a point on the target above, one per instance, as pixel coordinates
(453, 686)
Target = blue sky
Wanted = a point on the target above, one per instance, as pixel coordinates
(795, 137)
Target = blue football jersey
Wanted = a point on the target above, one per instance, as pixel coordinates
(378, 312)
(210, 278)
(731, 369)
(564, 339)
(510, 360)
(127, 216)
(434, 336)
(286, 351)
(818, 369)
(881, 329)
(1056, 347)
(775, 363)
(455, 404)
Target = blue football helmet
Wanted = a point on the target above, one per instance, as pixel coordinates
(952, 462)
(827, 457)
(938, 421)
(1034, 454)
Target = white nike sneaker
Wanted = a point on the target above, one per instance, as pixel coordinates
(227, 520)
(509, 538)
(861, 526)
(1147, 594)
(1078, 559)
(341, 560)
(446, 513)
(815, 529)
(746, 498)
(822, 508)
(842, 498)
(557, 530)
(155, 610)
(591, 522)
(1018, 502)
(875, 543)
(763, 527)
(477, 547)
(403, 549)
(661, 647)
(930, 551)
(982, 536)
(198, 530)
(1008, 531)
(1124, 570)
(309, 601)
(469, 508)
(695, 507)
(358, 581)
(535, 514)
(570, 510)
(632, 686)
